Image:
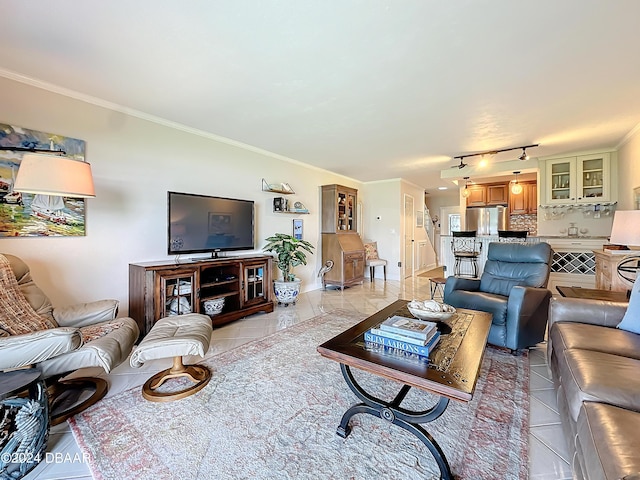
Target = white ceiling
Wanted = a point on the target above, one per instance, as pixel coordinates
(370, 89)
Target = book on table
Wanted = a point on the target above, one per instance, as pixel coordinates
(400, 336)
(400, 345)
(409, 327)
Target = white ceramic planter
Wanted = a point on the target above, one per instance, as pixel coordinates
(286, 292)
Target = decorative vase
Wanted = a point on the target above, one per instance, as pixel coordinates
(286, 292)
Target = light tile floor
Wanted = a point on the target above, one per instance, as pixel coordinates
(548, 452)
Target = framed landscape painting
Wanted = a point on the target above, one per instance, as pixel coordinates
(30, 215)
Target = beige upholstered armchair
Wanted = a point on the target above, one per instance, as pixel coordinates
(59, 340)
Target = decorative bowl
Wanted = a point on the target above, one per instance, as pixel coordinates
(213, 307)
(430, 310)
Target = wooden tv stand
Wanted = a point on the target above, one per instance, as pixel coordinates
(164, 288)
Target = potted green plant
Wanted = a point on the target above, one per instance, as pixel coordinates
(290, 252)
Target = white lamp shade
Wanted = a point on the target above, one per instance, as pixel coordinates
(54, 175)
(626, 228)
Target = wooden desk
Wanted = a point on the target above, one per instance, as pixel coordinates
(592, 294)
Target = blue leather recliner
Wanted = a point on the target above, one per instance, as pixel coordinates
(512, 288)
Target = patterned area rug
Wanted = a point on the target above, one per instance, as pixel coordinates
(271, 412)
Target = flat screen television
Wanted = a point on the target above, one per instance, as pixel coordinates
(202, 224)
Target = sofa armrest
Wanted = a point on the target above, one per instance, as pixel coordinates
(29, 348)
(457, 283)
(595, 312)
(84, 314)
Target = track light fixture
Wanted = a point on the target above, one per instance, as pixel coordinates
(466, 192)
(524, 155)
(516, 188)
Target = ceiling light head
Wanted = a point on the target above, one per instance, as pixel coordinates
(524, 155)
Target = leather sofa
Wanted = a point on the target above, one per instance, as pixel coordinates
(513, 289)
(595, 369)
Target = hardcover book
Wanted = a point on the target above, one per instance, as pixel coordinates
(409, 327)
(422, 350)
(400, 336)
(397, 353)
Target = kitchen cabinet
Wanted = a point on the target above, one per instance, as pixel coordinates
(483, 195)
(497, 194)
(581, 179)
(477, 196)
(526, 202)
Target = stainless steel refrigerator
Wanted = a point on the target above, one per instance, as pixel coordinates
(487, 220)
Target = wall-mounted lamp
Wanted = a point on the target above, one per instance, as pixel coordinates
(466, 192)
(516, 188)
(54, 175)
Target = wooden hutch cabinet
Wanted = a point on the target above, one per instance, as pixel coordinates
(341, 243)
(165, 288)
(339, 209)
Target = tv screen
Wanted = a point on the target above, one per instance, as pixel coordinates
(200, 223)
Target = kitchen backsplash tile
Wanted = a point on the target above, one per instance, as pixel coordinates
(524, 222)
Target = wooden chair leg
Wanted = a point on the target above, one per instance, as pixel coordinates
(384, 271)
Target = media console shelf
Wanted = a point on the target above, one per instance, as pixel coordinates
(164, 288)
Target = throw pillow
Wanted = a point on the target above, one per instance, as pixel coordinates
(631, 320)
(371, 251)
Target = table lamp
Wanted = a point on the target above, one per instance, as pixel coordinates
(626, 231)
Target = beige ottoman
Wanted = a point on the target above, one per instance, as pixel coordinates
(175, 337)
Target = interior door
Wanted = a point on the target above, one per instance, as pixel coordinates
(408, 235)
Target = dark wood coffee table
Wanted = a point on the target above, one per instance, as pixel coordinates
(592, 294)
(451, 372)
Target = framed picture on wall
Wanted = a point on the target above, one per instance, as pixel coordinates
(636, 198)
(419, 218)
(297, 229)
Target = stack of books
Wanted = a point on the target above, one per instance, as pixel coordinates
(402, 334)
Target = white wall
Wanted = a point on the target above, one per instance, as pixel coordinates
(135, 162)
(383, 207)
(382, 221)
(628, 170)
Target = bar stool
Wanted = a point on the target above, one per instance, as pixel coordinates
(465, 248)
(436, 286)
(512, 236)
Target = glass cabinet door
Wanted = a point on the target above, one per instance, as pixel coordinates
(342, 211)
(254, 287)
(593, 178)
(351, 212)
(178, 295)
(561, 180)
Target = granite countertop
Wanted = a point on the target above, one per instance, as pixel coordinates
(594, 237)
